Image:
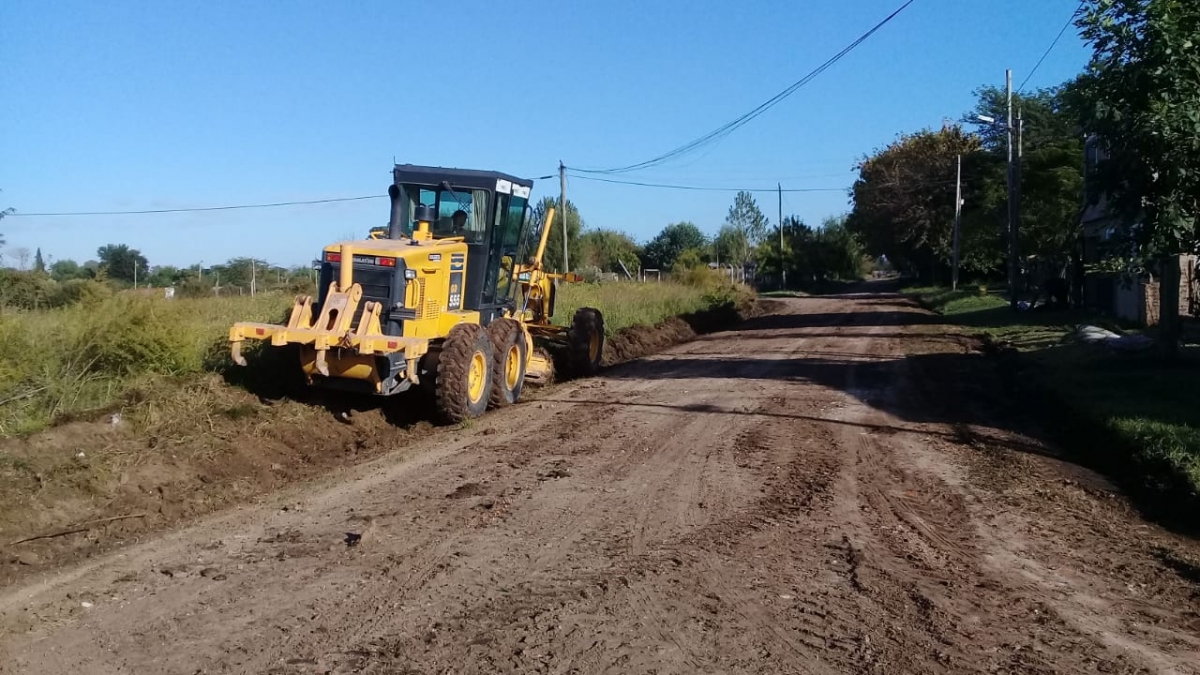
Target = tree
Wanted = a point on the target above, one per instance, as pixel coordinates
(838, 255)
(733, 245)
(746, 219)
(39, 265)
(162, 276)
(661, 251)
(608, 250)
(553, 258)
(1140, 96)
(119, 262)
(904, 201)
(22, 255)
(242, 271)
(1051, 172)
(65, 270)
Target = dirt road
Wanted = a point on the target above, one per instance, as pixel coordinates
(822, 490)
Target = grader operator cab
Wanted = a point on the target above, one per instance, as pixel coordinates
(452, 298)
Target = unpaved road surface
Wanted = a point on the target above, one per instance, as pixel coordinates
(822, 490)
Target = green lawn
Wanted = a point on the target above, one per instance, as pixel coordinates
(1132, 412)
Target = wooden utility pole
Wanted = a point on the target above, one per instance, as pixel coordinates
(253, 277)
(782, 266)
(957, 224)
(562, 180)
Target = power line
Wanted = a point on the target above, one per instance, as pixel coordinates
(903, 186)
(1052, 45)
(734, 125)
(701, 188)
(198, 208)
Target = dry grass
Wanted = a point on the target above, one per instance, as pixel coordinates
(128, 352)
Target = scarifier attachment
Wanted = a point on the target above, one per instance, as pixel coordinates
(333, 329)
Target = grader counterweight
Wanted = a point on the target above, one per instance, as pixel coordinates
(450, 300)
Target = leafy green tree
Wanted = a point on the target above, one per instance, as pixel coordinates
(163, 276)
(119, 262)
(746, 219)
(838, 253)
(39, 265)
(608, 250)
(242, 271)
(1051, 171)
(733, 245)
(689, 259)
(553, 259)
(1140, 96)
(64, 270)
(660, 253)
(904, 201)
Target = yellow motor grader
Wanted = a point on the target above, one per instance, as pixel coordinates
(452, 298)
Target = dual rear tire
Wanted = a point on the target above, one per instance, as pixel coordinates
(480, 368)
(511, 360)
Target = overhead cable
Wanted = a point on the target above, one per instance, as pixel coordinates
(1052, 45)
(728, 128)
(701, 188)
(198, 208)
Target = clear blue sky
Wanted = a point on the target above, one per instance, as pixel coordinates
(139, 105)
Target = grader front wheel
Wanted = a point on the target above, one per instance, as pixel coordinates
(508, 373)
(464, 374)
(585, 342)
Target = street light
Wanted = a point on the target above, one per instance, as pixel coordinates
(1013, 186)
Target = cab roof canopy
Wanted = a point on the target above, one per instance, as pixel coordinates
(467, 178)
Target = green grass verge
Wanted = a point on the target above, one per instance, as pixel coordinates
(627, 304)
(1131, 414)
(87, 359)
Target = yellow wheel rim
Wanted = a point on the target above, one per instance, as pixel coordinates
(476, 376)
(594, 347)
(512, 367)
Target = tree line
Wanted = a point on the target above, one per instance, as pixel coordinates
(745, 240)
(1123, 138)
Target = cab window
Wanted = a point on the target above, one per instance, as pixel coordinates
(460, 213)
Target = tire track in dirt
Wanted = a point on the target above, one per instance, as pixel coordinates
(773, 499)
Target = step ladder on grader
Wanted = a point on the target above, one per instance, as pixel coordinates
(448, 299)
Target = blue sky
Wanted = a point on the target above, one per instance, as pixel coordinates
(139, 105)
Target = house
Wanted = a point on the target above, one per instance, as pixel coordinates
(1130, 299)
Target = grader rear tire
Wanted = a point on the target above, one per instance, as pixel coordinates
(585, 342)
(464, 374)
(509, 362)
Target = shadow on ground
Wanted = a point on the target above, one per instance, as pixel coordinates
(963, 383)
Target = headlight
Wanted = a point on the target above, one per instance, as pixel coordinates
(410, 274)
(523, 276)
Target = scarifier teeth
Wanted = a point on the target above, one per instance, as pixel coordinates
(322, 366)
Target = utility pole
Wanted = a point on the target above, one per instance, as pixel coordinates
(782, 266)
(1018, 176)
(562, 180)
(1012, 221)
(957, 224)
(135, 273)
(253, 277)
